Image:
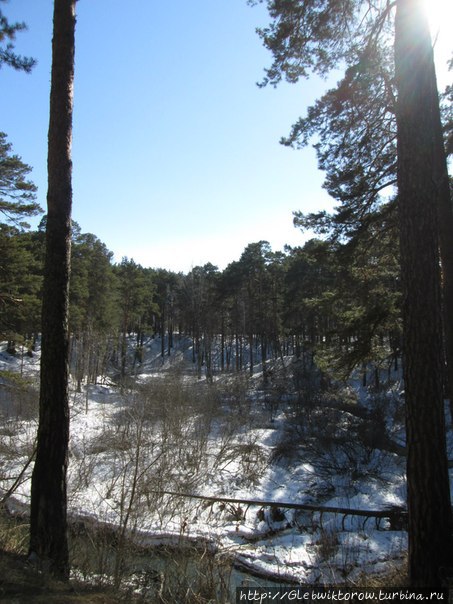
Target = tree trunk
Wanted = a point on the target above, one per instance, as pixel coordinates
(264, 357)
(162, 334)
(430, 541)
(123, 353)
(48, 521)
(222, 345)
(442, 183)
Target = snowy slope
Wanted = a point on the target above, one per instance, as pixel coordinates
(179, 434)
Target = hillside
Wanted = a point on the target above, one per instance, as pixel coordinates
(293, 440)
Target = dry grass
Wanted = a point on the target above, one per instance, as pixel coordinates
(21, 583)
(395, 576)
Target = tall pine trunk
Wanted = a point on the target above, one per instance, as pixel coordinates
(48, 522)
(442, 183)
(430, 522)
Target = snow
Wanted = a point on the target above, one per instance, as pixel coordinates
(228, 454)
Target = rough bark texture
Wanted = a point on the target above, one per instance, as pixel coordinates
(446, 249)
(446, 239)
(430, 526)
(48, 523)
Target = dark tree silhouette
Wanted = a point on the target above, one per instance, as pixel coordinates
(430, 526)
(315, 36)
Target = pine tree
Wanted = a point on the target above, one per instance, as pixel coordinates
(20, 287)
(17, 271)
(311, 275)
(93, 316)
(430, 522)
(135, 292)
(48, 514)
(198, 296)
(17, 194)
(8, 33)
(356, 133)
(315, 36)
(167, 313)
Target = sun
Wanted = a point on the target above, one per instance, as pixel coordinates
(440, 15)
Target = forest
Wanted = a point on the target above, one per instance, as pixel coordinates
(325, 299)
(284, 421)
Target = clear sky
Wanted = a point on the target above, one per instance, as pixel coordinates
(175, 149)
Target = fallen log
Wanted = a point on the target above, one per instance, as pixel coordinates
(396, 515)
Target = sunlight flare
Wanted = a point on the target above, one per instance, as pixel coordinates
(440, 15)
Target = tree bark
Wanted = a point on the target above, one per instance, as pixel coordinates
(442, 185)
(430, 522)
(48, 522)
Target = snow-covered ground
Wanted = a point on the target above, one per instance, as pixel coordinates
(174, 433)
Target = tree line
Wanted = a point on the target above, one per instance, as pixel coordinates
(322, 298)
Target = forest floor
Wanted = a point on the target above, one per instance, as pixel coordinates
(22, 584)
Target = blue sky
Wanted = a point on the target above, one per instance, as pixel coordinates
(175, 149)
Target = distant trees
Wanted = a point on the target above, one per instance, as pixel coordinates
(48, 515)
(309, 284)
(256, 290)
(338, 302)
(135, 305)
(165, 318)
(199, 298)
(20, 288)
(93, 315)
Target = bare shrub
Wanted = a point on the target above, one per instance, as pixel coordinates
(111, 440)
(170, 435)
(333, 431)
(18, 396)
(187, 573)
(194, 576)
(327, 544)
